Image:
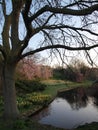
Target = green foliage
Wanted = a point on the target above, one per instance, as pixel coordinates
(58, 73)
(92, 74)
(64, 74)
(19, 125)
(92, 126)
(75, 71)
(1, 101)
(33, 99)
(30, 85)
(70, 74)
(32, 125)
(1, 105)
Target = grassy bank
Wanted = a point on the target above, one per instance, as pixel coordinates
(53, 86)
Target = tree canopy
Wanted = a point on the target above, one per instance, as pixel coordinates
(62, 24)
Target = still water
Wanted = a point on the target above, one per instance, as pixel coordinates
(71, 109)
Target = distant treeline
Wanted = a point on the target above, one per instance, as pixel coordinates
(75, 71)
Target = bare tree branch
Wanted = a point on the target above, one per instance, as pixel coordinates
(59, 46)
(66, 26)
(26, 18)
(64, 11)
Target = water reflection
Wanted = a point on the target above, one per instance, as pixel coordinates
(71, 109)
(77, 98)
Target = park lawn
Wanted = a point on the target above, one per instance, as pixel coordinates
(54, 86)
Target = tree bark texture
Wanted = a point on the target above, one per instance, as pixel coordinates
(9, 93)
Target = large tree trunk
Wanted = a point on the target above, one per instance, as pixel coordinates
(9, 93)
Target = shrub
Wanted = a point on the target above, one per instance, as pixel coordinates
(30, 85)
(19, 125)
(59, 73)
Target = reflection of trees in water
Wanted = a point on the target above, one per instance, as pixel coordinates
(96, 101)
(43, 113)
(78, 98)
(95, 98)
(79, 101)
(93, 92)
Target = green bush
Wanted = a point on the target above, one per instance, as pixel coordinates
(59, 73)
(30, 85)
(19, 125)
(70, 74)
